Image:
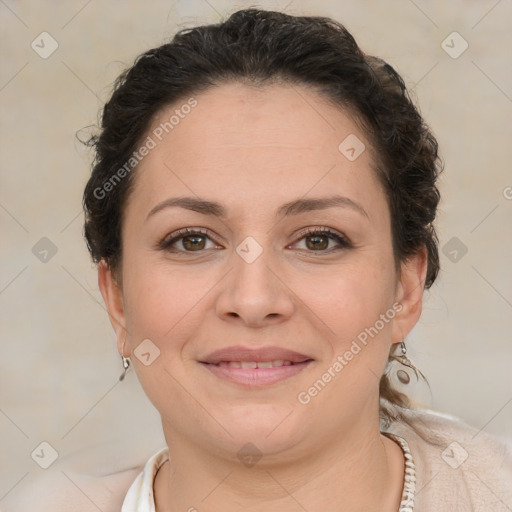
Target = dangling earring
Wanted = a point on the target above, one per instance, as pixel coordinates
(402, 375)
(126, 364)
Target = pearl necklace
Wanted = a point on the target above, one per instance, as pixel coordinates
(407, 502)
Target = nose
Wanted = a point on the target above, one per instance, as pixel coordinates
(254, 293)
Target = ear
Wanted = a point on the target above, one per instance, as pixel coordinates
(409, 294)
(113, 297)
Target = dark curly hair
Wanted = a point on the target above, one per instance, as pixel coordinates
(260, 47)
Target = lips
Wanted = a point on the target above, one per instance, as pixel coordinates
(236, 356)
(255, 368)
(255, 364)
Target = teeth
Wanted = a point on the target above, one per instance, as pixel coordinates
(255, 364)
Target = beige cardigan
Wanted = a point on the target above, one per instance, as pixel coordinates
(458, 469)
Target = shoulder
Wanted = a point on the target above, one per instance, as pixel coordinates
(456, 464)
(62, 490)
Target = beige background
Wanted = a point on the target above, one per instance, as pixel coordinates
(59, 366)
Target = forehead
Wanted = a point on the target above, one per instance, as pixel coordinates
(294, 116)
(237, 141)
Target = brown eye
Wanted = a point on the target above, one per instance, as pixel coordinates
(186, 241)
(193, 242)
(318, 239)
(317, 242)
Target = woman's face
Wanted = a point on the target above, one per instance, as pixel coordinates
(269, 159)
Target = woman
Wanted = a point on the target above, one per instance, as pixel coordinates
(261, 210)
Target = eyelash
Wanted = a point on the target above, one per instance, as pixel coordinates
(170, 240)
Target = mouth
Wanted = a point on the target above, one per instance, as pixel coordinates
(256, 373)
(257, 364)
(255, 368)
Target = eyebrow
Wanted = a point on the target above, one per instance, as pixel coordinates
(295, 207)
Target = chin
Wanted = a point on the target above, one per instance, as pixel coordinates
(268, 428)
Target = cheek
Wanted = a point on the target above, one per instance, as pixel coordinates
(349, 298)
(168, 305)
(157, 301)
(355, 311)
(162, 307)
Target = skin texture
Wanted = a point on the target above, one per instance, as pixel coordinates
(253, 150)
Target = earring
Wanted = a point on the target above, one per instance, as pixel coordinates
(126, 364)
(402, 375)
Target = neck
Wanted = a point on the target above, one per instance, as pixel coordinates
(359, 470)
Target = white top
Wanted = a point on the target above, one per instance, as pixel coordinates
(140, 496)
